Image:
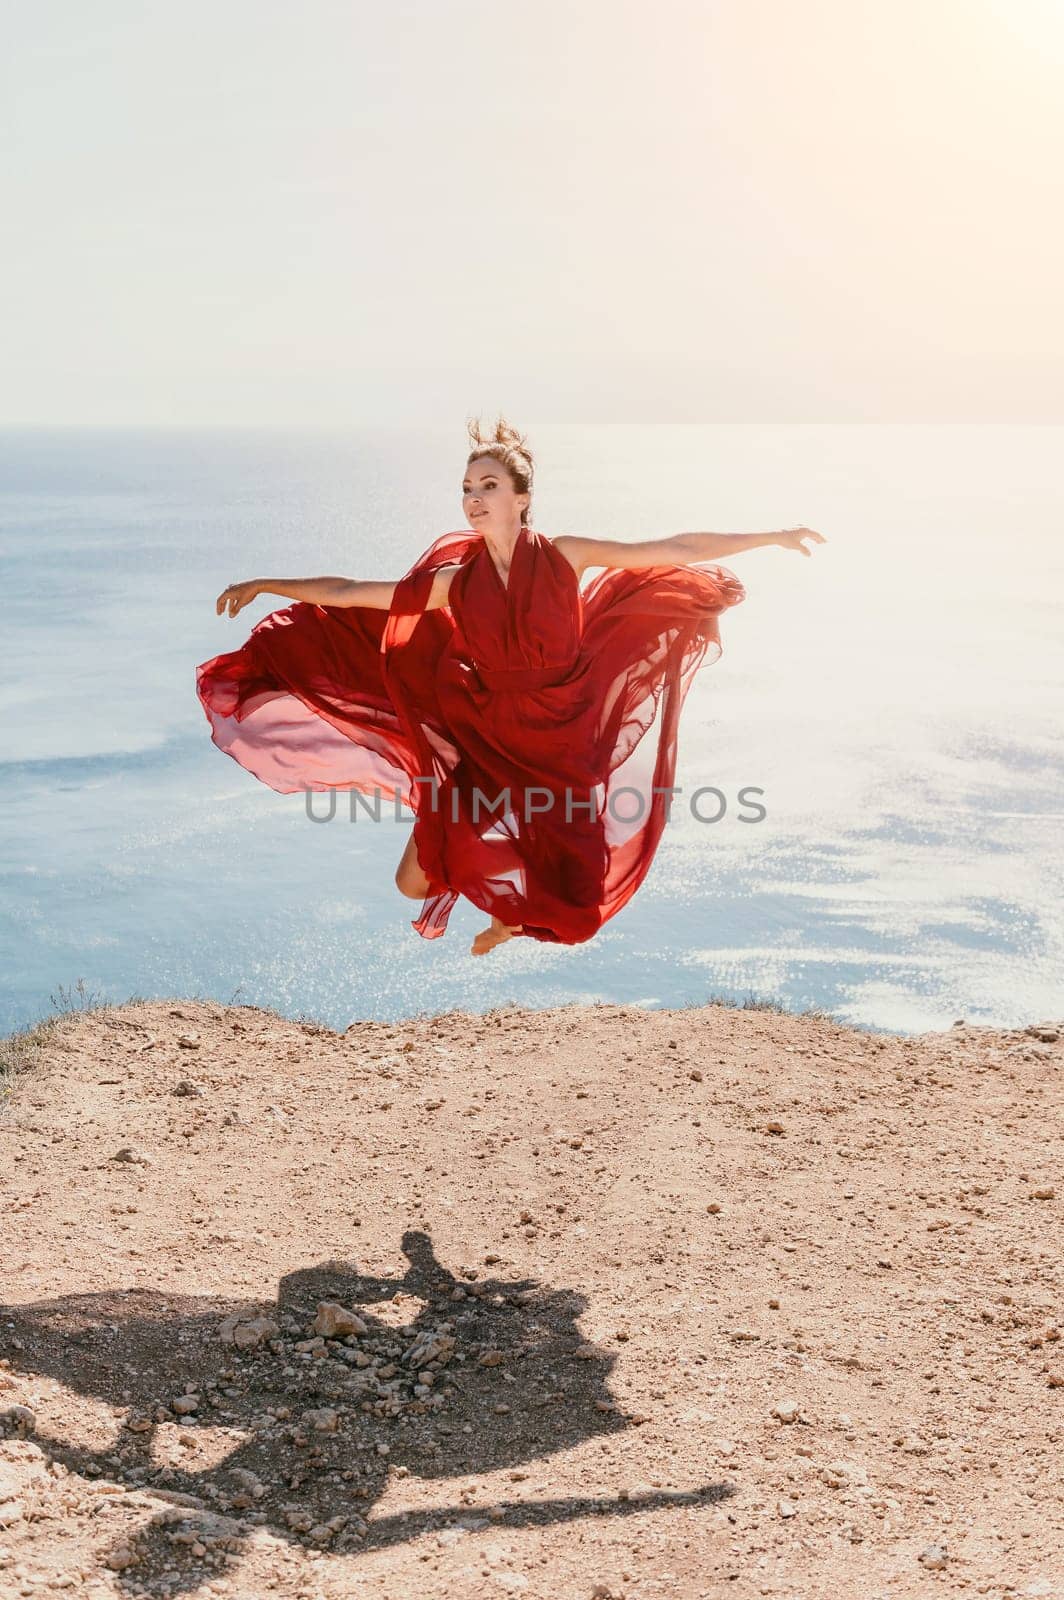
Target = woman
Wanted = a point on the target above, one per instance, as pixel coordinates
(506, 706)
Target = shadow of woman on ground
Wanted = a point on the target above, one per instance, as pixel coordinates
(305, 1407)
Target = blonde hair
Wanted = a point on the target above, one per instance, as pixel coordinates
(509, 447)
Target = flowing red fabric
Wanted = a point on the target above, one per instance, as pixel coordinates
(530, 726)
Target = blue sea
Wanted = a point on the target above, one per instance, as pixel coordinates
(895, 699)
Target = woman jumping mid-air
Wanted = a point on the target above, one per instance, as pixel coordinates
(527, 722)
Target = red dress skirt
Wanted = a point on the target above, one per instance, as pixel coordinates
(529, 726)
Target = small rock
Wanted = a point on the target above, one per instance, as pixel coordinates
(132, 1156)
(244, 1476)
(185, 1404)
(774, 1127)
(188, 1041)
(786, 1410)
(11, 1511)
(787, 1508)
(430, 1345)
(934, 1556)
(1047, 1193)
(492, 1358)
(121, 1558)
(187, 1088)
(324, 1420)
(247, 1332)
(21, 1418)
(334, 1321)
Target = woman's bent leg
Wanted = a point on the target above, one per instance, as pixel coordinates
(409, 878)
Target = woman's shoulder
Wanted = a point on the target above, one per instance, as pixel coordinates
(567, 545)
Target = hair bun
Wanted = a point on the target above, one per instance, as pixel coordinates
(504, 433)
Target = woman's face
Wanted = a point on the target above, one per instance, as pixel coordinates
(489, 499)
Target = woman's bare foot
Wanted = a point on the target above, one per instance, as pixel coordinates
(488, 938)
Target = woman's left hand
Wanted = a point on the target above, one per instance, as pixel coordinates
(791, 539)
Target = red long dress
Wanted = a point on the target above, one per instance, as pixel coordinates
(540, 718)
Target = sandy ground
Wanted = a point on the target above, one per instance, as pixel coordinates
(590, 1302)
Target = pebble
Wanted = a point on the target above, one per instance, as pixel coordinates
(132, 1156)
(431, 1344)
(787, 1508)
(247, 1332)
(934, 1556)
(786, 1410)
(323, 1420)
(334, 1321)
(21, 1418)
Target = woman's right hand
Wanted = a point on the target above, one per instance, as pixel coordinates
(237, 596)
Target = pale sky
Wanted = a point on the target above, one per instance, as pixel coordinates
(248, 211)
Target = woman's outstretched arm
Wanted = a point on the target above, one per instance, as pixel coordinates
(329, 592)
(678, 551)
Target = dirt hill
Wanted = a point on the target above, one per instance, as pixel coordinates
(589, 1302)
